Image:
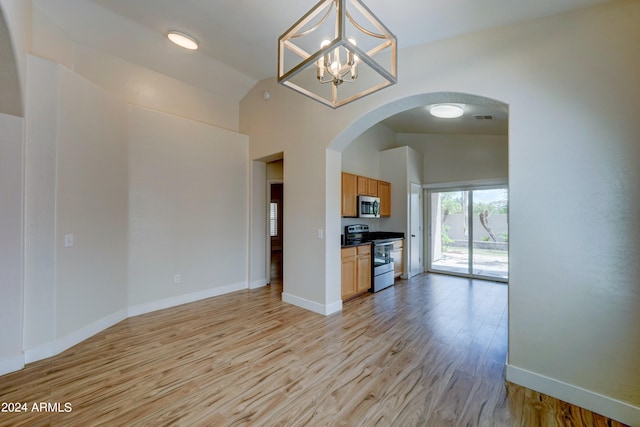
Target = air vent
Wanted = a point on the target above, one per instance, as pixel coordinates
(483, 117)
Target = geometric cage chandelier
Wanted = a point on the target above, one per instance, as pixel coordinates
(337, 52)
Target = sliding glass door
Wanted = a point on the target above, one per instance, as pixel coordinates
(468, 232)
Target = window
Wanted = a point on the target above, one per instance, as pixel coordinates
(273, 219)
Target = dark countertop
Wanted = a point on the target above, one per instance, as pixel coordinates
(386, 236)
(352, 244)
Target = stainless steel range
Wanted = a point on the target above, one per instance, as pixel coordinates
(382, 252)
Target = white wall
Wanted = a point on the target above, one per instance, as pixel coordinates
(40, 208)
(135, 84)
(91, 204)
(147, 195)
(362, 156)
(400, 166)
(76, 183)
(13, 38)
(573, 102)
(458, 158)
(188, 202)
(11, 238)
(11, 99)
(258, 232)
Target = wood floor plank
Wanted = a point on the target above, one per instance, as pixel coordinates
(427, 351)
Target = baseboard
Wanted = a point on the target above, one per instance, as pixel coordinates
(595, 402)
(50, 349)
(11, 364)
(325, 310)
(184, 299)
(76, 337)
(40, 352)
(332, 308)
(255, 284)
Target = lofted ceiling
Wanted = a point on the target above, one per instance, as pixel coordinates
(238, 38)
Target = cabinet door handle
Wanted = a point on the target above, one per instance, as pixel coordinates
(413, 235)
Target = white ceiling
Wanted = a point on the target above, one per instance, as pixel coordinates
(238, 38)
(482, 116)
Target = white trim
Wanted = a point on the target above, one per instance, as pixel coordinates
(53, 348)
(185, 298)
(88, 331)
(334, 307)
(325, 310)
(598, 403)
(43, 351)
(11, 364)
(465, 184)
(258, 283)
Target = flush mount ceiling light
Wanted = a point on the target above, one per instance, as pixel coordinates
(446, 111)
(182, 40)
(336, 42)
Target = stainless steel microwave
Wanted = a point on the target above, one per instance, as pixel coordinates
(368, 207)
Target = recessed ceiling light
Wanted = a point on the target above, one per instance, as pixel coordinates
(446, 111)
(183, 40)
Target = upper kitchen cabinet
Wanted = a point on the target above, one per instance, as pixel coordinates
(357, 185)
(367, 186)
(372, 187)
(363, 186)
(384, 192)
(349, 194)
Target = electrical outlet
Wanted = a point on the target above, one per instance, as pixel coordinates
(68, 240)
(177, 279)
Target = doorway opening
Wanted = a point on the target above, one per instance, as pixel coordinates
(275, 232)
(469, 232)
(275, 221)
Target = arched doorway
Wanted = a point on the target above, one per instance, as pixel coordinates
(469, 150)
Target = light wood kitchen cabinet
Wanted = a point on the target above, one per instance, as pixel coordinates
(363, 186)
(349, 271)
(364, 268)
(372, 187)
(384, 192)
(356, 270)
(349, 196)
(357, 185)
(398, 258)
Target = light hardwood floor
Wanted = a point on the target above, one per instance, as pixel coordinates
(426, 352)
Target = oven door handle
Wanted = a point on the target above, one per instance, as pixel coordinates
(383, 244)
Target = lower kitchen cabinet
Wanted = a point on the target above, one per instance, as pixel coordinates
(356, 270)
(349, 269)
(398, 258)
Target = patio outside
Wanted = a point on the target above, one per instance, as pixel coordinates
(483, 214)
